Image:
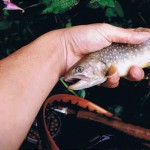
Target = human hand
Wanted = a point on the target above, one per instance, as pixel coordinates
(81, 40)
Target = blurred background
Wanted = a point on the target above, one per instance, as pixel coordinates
(130, 100)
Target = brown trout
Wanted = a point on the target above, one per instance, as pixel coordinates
(93, 68)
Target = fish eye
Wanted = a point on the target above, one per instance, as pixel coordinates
(79, 69)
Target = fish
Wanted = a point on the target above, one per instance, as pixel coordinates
(95, 68)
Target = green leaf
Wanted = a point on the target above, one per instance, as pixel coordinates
(110, 13)
(93, 5)
(46, 2)
(108, 3)
(82, 93)
(118, 9)
(116, 109)
(65, 84)
(6, 12)
(47, 10)
(5, 25)
(69, 23)
(114, 12)
(59, 6)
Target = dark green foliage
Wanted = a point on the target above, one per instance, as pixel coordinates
(82, 93)
(47, 2)
(58, 6)
(18, 29)
(116, 11)
(109, 3)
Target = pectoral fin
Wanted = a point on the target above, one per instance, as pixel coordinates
(112, 71)
(147, 65)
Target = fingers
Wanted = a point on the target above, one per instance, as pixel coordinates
(121, 35)
(113, 81)
(112, 77)
(135, 74)
(140, 29)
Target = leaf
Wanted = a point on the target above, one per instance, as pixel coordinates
(5, 25)
(59, 6)
(47, 10)
(114, 12)
(108, 3)
(6, 12)
(118, 9)
(93, 5)
(116, 109)
(46, 2)
(69, 23)
(110, 13)
(82, 93)
(65, 84)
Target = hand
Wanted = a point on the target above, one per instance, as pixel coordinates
(80, 40)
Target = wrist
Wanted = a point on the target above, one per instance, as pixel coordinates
(52, 49)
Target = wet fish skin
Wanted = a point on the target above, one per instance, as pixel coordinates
(92, 69)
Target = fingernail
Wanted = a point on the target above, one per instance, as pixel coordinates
(137, 73)
(115, 78)
(144, 34)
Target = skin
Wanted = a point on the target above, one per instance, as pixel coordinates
(28, 75)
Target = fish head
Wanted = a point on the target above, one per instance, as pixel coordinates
(86, 73)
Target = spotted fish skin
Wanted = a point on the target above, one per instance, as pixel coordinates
(123, 56)
(93, 68)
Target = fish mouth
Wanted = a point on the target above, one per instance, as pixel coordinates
(76, 78)
(83, 82)
(79, 82)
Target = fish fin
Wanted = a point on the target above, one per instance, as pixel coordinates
(112, 70)
(146, 65)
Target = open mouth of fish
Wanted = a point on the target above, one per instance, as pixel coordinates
(76, 78)
(79, 81)
(82, 82)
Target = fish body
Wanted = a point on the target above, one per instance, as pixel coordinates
(93, 68)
